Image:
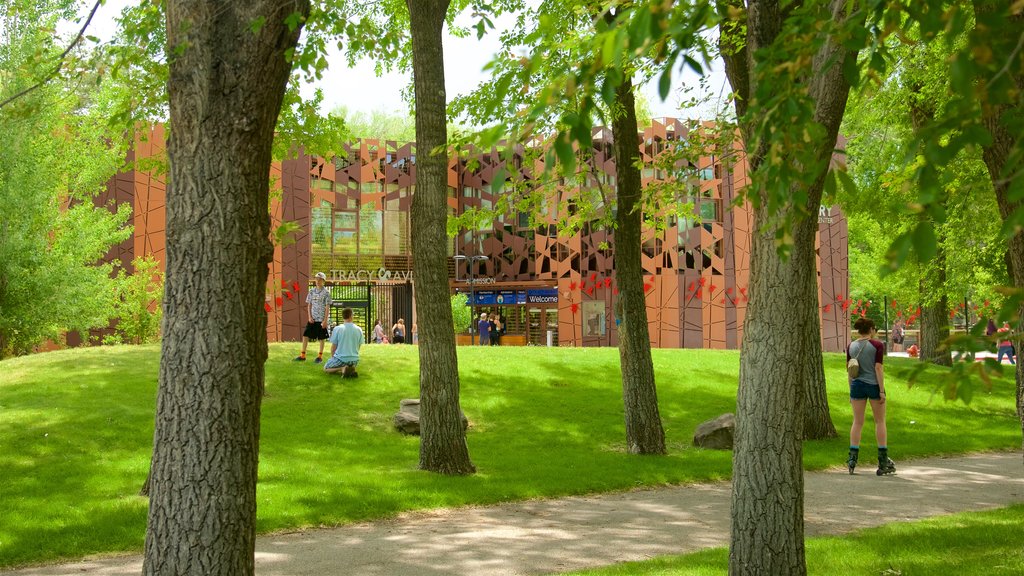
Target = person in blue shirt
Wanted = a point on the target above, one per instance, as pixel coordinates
(345, 342)
(483, 327)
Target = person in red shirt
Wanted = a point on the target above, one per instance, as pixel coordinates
(1005, 346)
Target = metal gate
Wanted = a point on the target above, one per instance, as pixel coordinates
(386, 302)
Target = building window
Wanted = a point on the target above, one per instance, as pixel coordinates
(594, 318)
(371, 232)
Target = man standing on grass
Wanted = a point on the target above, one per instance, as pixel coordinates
(318, 301)
(345, 342)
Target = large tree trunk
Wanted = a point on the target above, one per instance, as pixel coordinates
(818, 423)
(935, 315)
(442, 439)
(226, 85)
(644, 433)
(997, 156)
(768, 481)
(776, 368)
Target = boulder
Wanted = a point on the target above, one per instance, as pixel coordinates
(716, 434)
(407, 419)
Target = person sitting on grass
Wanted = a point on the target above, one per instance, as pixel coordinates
(345, 342)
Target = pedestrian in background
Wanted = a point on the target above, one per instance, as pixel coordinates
(398, 332)
(1005, 346)
(494, 326)
(483, 328)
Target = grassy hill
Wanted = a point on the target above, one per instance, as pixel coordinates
(76, 430)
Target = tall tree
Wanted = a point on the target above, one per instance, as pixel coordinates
(228, 67)
(884, 125)
(56, 157)
(934, 321)
(768, 70)
(644, 433)
(560, 30)
(443, 446)
(1002, 115)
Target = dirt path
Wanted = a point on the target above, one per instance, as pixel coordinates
(541, 537)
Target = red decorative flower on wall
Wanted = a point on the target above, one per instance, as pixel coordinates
(572, 286)
(574, 307)
(295, 286)
(266, 306)
(279, 301)
(828, 308)
(288, 294)
(615, 292)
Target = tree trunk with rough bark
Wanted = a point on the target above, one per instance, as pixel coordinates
(443, 446)
(818, 423)
(226, 84)
(997, 157)
(935, 317)
(776, 367)
(644, 432)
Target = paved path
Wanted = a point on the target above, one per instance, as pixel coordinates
(546, 536)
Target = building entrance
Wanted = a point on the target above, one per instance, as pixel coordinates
(372, 302)
(538, 322)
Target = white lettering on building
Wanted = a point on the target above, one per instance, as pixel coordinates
(379, 275)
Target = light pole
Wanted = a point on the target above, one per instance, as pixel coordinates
(472, 293)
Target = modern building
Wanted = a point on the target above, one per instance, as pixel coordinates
(353, 222)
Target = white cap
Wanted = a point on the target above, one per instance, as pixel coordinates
(321, 276)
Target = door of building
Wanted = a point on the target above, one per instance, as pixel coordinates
(372, 302)
(538, 322)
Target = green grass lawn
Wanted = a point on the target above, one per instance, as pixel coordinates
(969, 544)
(76, 429)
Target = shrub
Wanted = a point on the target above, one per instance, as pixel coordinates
(138, 303)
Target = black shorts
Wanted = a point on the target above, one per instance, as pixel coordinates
(316, 331)
(863, 391)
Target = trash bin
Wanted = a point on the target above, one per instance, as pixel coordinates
(551, 338)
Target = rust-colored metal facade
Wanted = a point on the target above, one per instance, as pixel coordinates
(352, 218)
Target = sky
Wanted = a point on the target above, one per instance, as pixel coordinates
(359, 89)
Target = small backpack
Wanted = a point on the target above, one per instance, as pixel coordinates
(853, 365)
(853, 368)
